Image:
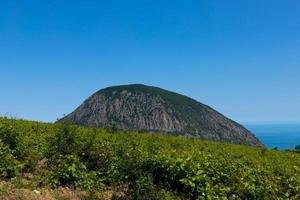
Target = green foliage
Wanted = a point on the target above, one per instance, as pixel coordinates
(297, 148)
(69, 171)
(143, 189)
(63, 142)
(9, 136)
(8, 163)
(148, 166)
(26, 147)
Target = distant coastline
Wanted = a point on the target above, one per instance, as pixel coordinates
(282, 136)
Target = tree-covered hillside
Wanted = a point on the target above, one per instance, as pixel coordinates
(107, 164)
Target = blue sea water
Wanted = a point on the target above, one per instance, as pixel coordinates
(283, 136)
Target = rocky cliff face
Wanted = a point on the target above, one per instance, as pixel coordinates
(150, 109)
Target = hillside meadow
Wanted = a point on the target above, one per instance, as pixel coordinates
(59, 161)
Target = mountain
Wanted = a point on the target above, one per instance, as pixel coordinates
(151, 109)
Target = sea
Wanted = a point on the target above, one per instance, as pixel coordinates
(281, 136)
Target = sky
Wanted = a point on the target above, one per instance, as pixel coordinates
(240, 57)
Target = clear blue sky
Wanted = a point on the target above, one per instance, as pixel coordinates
(240, 57)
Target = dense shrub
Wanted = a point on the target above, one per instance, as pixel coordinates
(148, 166)
(8, 164)
(26, 147)
(144, 189)
(10, 137)
(63, 142)
(69, 171)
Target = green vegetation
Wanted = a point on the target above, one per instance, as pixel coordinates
(142, 166)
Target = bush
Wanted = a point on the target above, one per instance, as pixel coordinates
(144, 189)
(96, 153)
(145, 166)
(23, 146)
(64, 142)
(8, 164)
(69, 171)
(9, 137)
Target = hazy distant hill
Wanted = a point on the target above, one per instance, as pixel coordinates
(151, 109)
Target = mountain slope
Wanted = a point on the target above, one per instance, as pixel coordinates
(151, 109)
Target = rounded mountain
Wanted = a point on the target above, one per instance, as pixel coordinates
(150, 109)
